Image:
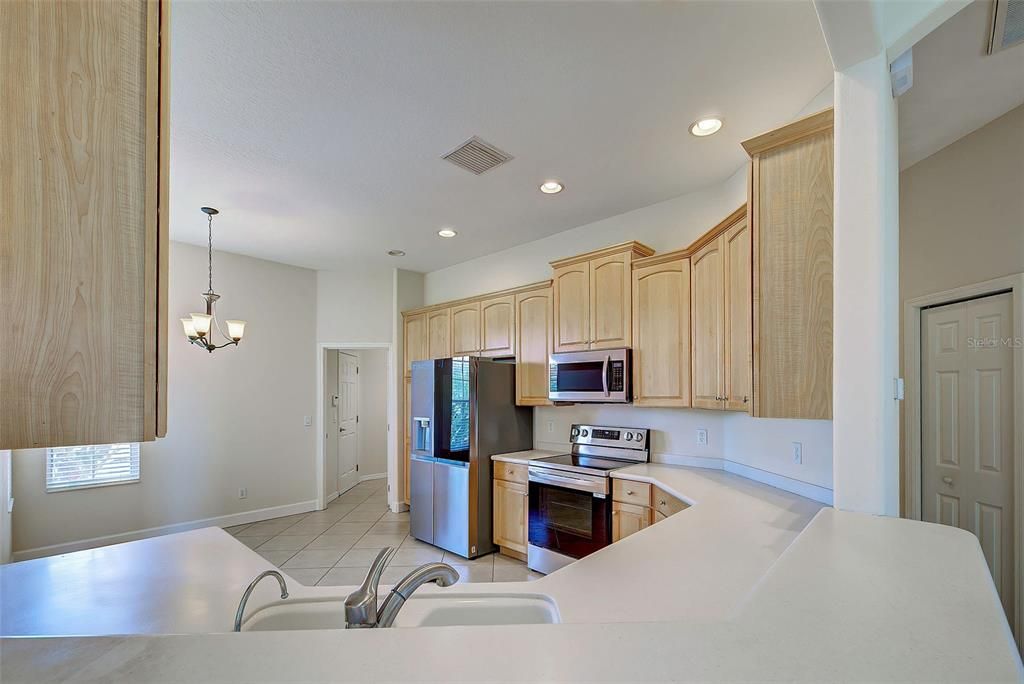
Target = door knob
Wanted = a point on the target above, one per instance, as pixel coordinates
(948, 480)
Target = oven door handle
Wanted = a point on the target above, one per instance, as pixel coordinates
(572, 482)
(604, 374)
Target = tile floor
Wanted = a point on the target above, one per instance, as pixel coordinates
(335, 546)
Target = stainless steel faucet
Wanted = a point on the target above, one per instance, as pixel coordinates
(361, 605)
(249, 590)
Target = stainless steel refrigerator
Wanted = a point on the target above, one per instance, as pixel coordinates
(463, 411)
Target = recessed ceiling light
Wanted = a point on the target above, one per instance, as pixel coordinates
(551, 187)
(447, 233)
(395, 252)
(705, 127)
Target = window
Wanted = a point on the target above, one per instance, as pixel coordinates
(91, 466)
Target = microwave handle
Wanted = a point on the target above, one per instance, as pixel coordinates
(604, 374)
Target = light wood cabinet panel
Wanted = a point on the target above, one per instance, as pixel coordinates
(415, 340)
(666, 504)
(439, 334)
(572, 307)
(657, 517)
(83, 210)
(466, 329)
(407, 430)
(533, 346)
(661, 334)
(498, 326)
(610, 302)
(510, 515)
(628, 519)
(708, 307)
(628, 491)
(511, 472)
(790, 214)
(738, 315)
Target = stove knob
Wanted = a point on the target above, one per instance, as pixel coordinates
(585, 432)
(629, 436)
(574, 432)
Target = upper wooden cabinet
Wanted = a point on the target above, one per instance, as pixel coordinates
(533, 311)
(661, 330)
(738, 314)
(592, 298)
(708, 304)
(498, 326)
(415, 340)
(790, 216)
(83, 209)
(466, 329)
(439, 334)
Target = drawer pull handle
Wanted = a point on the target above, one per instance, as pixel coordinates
(662, 503)
(629, 492)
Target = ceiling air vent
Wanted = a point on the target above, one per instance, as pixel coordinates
(1007, 25)
(477, 156)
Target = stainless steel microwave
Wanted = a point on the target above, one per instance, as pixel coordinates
(601, 376)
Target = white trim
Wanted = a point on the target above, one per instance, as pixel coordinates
(912, 408)
(229, 520)
(332, 496)
(376, 476)
(321, 347)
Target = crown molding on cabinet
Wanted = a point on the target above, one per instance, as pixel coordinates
(638, 249)
(799, 129)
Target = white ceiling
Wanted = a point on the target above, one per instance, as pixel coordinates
(958, 87)
(317, 127)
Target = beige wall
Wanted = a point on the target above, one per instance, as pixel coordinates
(373, 411)
(235, 417)
(5, 506)
(962, 211)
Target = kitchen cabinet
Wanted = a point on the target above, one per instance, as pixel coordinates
(664, 503)
(466, 329)
(628, 519)
(439, 334)
(84, 210)
(708, 304)
(407, 431)
(593, 300)
(510, 508)
(661, 330)
(738, 315)
(533, 327)
(498, 326)
(415, 340)
(790, 218)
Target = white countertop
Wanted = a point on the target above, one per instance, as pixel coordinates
(523, 456)
(728, 589)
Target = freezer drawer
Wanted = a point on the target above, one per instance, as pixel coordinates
(421, 499)
(451, 507)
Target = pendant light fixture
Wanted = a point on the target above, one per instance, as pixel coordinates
(198, 325)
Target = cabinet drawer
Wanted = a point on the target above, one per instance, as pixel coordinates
(510, 472)
(630, 492)
(665, 503)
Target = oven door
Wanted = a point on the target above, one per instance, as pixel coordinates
(590, 376)
(567, 520)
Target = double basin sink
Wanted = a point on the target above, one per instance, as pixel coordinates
(426, 610)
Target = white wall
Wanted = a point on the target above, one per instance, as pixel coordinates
(373, 412)
(355, 305)
(6, 500)
(235, 417)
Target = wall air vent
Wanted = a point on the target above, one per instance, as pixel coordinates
(477, 156)
(1007, 25)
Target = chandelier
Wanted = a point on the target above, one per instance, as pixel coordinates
(197, 325)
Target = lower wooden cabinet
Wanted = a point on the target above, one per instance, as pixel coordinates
(628, 518)
(510, 507)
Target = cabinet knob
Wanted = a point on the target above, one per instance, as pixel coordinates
(629, 492)
(662, 503)
(746, 399)
(948, 480)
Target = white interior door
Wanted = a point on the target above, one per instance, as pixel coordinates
(967, 427)
(348, 421)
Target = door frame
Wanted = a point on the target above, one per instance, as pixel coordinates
(320, 425)
(912, 408)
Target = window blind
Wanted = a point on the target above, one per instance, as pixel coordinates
(91, 466)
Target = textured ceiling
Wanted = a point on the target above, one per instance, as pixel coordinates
(317, 127)
(958, 87)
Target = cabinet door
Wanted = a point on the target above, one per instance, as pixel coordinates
(707, 280)
(533, 346)
(572, 307)
(439, 334)
(498, 326)
(83, 223)
(661, 334)
(610, 302)
(510, 512)
(466, 329)
(627, 519)
(738, 312)
(415, 340)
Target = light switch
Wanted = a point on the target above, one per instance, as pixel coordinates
(307, 420)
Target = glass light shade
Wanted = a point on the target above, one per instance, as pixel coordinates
(236, 329)
(190, 328)
(201, 322)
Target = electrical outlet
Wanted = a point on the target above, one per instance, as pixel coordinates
(798, 453)
(702, 436)
(307, 420)
(242, 492)
(551, 426)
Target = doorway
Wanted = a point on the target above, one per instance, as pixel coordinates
(347, 417)
(965, 442)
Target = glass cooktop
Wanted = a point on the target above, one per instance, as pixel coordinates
(582, 461)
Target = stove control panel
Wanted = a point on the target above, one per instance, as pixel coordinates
(621, 437)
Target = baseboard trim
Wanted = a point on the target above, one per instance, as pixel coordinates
(377, 476)
(229, 520)
(331, 497)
